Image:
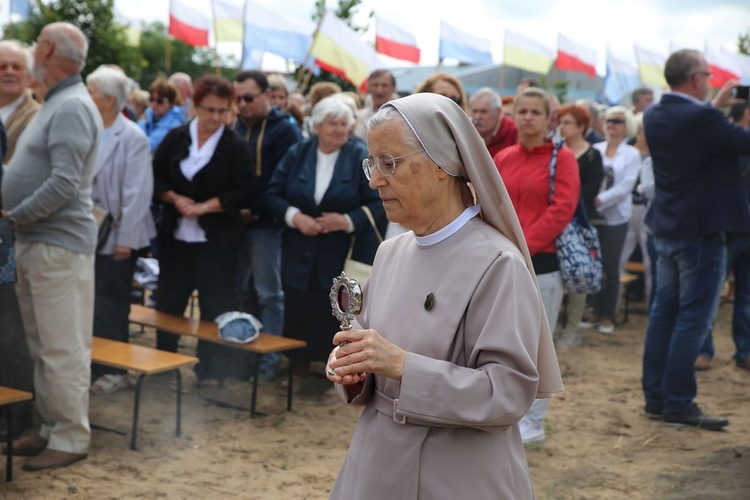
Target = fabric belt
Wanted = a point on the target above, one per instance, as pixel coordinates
(389, 407)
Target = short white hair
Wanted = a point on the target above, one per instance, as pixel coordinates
(332, 107)
(111, 82)
(631, 125)
(66, 46)
(28, 57)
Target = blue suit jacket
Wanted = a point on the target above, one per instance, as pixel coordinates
(293, 184)
(699, 187)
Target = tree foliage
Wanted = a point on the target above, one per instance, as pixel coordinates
(743, 42)
(96, 18)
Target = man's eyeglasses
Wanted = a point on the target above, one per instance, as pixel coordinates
(385, 163)
(615, 121)
(248, 98)
(214, 111)
(158, 100)
(704, 73)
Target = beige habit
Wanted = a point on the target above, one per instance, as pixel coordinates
(476, 359)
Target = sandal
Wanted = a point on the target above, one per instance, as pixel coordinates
(107, 384)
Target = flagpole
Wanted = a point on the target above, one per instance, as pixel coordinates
(168, 54)
(502, 68)
(216, 42)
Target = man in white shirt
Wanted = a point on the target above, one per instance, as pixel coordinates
(381, 87)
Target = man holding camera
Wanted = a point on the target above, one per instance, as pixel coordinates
(700, 198)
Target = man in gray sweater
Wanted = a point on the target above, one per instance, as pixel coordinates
(47, 197)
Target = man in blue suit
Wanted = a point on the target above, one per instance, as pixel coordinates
(699, 197)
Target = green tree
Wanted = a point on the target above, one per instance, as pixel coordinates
(743, 42)
(107, 39)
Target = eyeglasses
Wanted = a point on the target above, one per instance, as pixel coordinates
(248, 98)
(386, 163)
(157, 100)
(704, 73)
(458, 100)
(615, 121)
(214, 111)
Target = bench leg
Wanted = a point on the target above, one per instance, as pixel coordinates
(290, 389)
(136, 408)
(178, 375)
(9, 444)
(256, 374)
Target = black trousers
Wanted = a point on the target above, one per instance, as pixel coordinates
(184, 267)
(112, 294)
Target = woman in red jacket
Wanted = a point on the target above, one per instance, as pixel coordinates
(525, 169)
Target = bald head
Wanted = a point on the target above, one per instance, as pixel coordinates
(70, 43)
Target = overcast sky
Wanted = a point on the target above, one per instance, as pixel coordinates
(657, 25)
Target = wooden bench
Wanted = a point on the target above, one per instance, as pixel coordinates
(9, 396)
(209, 331)
(633, 267)
(144, 361)
(625, 279)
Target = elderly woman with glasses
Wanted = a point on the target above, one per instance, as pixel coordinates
(123, 184)
(452, 344)
(203, 175)
(320, 191)
(164, 114)
(614, 206)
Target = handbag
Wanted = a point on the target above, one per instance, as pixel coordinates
(354, 268)
(578, 251)
(8, 272)
(105, 223)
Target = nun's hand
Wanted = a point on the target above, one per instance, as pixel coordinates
(366, 351)
(351, 379)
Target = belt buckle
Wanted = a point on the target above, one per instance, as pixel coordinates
(399, 419)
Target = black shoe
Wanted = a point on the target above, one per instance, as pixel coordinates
(653, 411)
(694, 417)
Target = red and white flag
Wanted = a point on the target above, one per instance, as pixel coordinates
(190, 21)
(392, 41)
(572, 56)
(726, 66)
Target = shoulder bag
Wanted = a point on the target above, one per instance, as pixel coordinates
(354, 268)
(578, 252)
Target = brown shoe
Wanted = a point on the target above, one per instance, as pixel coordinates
(52, 459)
(28, 447)
(743, 363)
(702, 363)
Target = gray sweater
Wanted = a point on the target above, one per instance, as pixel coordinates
(47, 185)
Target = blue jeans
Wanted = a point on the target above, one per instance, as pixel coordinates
(689, 274)
(738, 258)
(260, 257)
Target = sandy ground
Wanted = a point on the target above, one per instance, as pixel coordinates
(599, 444)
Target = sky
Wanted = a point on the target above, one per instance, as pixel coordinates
(657, 25)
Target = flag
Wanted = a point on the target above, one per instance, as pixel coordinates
(650, 67)
(520, 52)
(132, 30)
(190, 21)
(341, 51)
(20, 8)
(727, 66)
(572, 56)
(464, 47)
(228, 14)
(276, 33)
(392, 41)
(621, 79)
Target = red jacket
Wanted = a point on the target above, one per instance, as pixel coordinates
(507, 135)
(526, 176)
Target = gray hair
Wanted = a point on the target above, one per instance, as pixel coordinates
(28, 57)
(387, 114)
(111, 82)
(681, 66)
(70, 43)
(494, 98)
(631, 125)
(332, 107)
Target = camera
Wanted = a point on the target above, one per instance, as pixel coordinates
(742, 92)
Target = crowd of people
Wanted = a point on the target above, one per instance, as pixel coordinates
(254, 197)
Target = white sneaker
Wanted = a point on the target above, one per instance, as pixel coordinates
(588, 324)
(531, 432)
(607, 329)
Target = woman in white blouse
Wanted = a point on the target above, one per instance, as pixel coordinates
(202, 174)
(320, 190)
(614, 205)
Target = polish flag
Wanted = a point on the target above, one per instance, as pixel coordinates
(190, 21)
(572, 56)
(392, 41)
(726, 66)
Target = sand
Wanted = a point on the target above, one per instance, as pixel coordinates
(599, 444)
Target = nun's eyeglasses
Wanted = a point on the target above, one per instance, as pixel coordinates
(385, 162)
